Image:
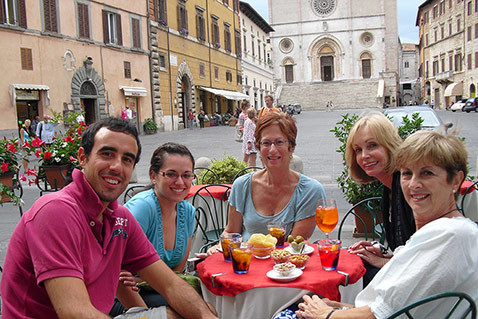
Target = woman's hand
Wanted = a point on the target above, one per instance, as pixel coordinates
(313, 308)
(128, 280)
(371, 253)
(210, 251)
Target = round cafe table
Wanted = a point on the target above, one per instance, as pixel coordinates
(254, 295)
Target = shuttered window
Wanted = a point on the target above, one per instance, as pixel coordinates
(26, 58)
(162, 12)
(215, 31)
(366, 69)
(227, 38)
(237, 40)
(289, 73)
(182, 18)
(13, 12)
(112, 28)
(127, 70)
(83, 21)
(49, 15)
(200, 25)
(135, 28)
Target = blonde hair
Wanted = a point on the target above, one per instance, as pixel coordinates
(445, 151)
(251, 113)
(386, 135)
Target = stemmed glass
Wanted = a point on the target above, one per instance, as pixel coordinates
(326, 215)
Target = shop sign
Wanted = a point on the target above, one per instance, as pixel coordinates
(29, 95)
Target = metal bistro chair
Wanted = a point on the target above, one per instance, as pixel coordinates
(460, 296)
(204, 175)
(211, 214)
(17, 189)
(371, 205)
(461, 204)
(246, 170)
(130, 192)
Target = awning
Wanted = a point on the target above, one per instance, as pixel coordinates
(454, 89)
(381, 85)
(134, 91)
(230, 95)
(37, 87)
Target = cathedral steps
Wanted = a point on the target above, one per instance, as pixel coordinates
(343, 94)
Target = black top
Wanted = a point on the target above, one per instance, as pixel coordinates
(398, 221)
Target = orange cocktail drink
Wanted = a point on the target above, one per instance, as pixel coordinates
(326, 218)
(277, 231)
(226, 239)
(241, 254)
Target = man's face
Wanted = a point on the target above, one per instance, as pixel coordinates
(109, 166)
(268, 101)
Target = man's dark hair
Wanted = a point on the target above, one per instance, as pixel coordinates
(116, 124)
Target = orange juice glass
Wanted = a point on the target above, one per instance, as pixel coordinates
(326, 215)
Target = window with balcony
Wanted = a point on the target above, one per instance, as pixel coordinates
(112, 28)
(26, 58)
(160, 11)
(13, 12)
(83, 21)
(50, 16)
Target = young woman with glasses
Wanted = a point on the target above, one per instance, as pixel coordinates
(163, 214)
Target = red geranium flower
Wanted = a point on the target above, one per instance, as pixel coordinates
(69, 139)
(12, 148)
(22, 177)
(37, 142)
(4, 167)
(47, 155)
(38, 153)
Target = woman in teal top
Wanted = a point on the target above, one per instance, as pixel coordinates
(166, 219)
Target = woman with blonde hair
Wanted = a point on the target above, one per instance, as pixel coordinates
(369, 154)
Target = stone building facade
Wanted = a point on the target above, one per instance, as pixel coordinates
(410, 93)
(195, 59)
(257, 73)
(343, 51)
(448, 50)
(80, 55)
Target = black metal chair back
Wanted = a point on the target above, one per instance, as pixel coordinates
(133, 190)
(461, 203)
(246, 170)
(205, 176)
(211, 212)
(371, 206)
(470, 306)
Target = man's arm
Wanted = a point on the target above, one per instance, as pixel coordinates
(179, 294)
(70, 298)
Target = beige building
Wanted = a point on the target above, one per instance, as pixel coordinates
(74, 55)
(448, 50)
(344, 51)
(195, 58)
(408, 73)
(257, 72)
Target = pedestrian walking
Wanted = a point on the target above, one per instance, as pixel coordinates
(201, 117)
(191, 119)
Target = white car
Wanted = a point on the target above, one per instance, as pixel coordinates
(458, 105)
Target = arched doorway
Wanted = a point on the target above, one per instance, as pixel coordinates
(185, 93)
(325, 55)
(88, 92)
(326, 63)
(472, 90)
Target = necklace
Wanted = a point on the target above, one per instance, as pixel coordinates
(448, 213)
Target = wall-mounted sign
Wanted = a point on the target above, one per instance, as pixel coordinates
(29, 95)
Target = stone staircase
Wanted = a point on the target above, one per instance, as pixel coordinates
(344, 94)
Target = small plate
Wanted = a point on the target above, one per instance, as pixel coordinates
(307, 250)
(272, 274)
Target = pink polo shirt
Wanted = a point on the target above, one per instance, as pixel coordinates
(60, 236)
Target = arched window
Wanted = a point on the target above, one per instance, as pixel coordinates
(472, 90)
(289, 70)
(366, 60)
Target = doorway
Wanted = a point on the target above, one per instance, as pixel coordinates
(89, 106)
(27, 110)
(327, 68)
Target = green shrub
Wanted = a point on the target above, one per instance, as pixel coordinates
(226, 168)
(150, 124)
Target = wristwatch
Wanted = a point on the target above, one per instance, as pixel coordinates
(383, 249)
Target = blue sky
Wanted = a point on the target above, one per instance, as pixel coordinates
(407, 13)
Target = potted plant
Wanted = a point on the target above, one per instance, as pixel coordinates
(226, 168)
(60, 157)
(150, 126)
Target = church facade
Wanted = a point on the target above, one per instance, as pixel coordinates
(344, 51)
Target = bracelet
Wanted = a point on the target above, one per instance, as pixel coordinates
(330, 313)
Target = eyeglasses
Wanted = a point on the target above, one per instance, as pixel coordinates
(278, 143)
(174, 175)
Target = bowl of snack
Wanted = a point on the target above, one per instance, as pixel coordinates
(299, 260)
(296, 243)
(280, 256)
(284, 269)
(263, 245)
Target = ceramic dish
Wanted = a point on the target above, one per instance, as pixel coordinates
(274, 275)
(307, 250)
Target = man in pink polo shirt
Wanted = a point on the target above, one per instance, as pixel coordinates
(66, 253)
